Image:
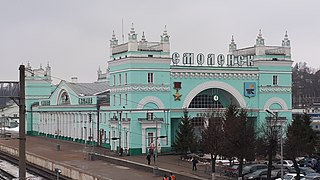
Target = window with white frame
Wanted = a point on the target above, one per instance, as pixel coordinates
(150, 77)
(275, 80)
(150, 138)
(114, 80)
(150, 116)
(114, 100)
(126, 98)
(126, 78)
(120, 79)
(119, 99)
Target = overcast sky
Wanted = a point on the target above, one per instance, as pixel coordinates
(73, 35)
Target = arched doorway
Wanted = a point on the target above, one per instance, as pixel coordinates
(211, 102)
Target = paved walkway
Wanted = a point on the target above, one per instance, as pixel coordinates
(75, 154)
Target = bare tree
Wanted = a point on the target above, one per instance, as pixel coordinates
(212, 138)
(268, 137)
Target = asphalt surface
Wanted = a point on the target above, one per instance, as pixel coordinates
(75, 154)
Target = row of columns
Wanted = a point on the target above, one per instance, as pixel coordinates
(74, 125)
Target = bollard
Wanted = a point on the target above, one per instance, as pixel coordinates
(58, 147)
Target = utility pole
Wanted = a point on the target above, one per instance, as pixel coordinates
(22, 130)
(120, 131)
(98, 125)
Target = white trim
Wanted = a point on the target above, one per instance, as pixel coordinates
(129, 60)
(152, 99)
(276, 100)
(214, 84)
(141, 69)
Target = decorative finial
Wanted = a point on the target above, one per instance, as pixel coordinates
(143, 37)
(286, 41)
(232, 40)
(260, 34)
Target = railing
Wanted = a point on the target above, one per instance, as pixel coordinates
(120, 48)
(150, 120)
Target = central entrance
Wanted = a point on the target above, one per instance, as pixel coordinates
(213, 98)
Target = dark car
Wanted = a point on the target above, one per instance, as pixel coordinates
(276, 173)
(256, 174)
(303, 170)
(231, 171)
(253, 167)
(312, 176)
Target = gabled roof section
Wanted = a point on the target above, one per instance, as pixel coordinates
(88, 89)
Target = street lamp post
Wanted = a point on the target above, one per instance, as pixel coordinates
(275, 115)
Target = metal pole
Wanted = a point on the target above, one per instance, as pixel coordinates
(156, 149)
(281, 144)
(98, 125)
(120, 131)
(22, 128)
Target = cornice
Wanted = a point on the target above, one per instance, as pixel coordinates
(141, 88)
(273, 89)
(190, 75)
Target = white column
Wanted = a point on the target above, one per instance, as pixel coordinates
(143, 140)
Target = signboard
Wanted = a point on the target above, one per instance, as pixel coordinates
(249, 89)
(220, 60)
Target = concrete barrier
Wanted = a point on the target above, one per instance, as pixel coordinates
(66, 170)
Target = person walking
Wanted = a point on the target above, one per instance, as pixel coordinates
(172, 176)
(194, 164)
(165, 177)
(148, 158)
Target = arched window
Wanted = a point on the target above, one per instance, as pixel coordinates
(64, 98)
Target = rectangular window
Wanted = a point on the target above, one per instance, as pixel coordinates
(150, 77)
(119, 99)
(114, 100)
(114, 80)
(120, 79)
(275, 80)
(126, 99)
(149, 116)
(125, 78)
(150, 139)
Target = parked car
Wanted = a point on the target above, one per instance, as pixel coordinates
(253, 167)
(303, 170)
(276, 173)
(286, 164)
(290, 176)
(312, 176)
(256, 174)
(231, 171)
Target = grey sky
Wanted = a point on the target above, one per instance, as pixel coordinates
(73, 35)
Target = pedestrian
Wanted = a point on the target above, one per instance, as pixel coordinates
(121, 152)
(148, 158)
(165, 177)
(194, 164)
(172, 176)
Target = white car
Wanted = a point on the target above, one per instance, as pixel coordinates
(286, 164)
(290, 176)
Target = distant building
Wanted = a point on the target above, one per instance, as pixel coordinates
(140, 99)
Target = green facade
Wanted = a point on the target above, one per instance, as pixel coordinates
(147, 88)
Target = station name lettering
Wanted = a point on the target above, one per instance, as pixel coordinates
(220, 60)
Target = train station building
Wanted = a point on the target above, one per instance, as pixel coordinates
(139, 101)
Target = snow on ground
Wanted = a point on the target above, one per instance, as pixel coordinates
(14, 170)
(16, 129)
